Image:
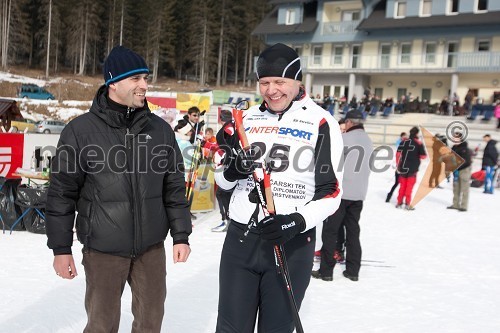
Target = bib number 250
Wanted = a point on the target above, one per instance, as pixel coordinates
(277, 158)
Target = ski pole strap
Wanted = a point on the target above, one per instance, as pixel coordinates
(251, 223)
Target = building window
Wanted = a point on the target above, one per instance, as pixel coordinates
(336, 91)
(452, 54)
(481, 5)
(385, 56)
(356, 53)
(351, 15)
(400, 11)
(405, 55)
(426, 8)
(483, 46)
(379, 92)
(452, 7)
(317, 52)
(401, 93)
(338, 51)
(290, 17)
(426, 94)
(430, 53)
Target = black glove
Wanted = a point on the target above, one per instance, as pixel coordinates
(227, 138)
(281, 228)
(240, 164)
(253, 196)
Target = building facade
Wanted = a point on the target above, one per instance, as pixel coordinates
(424, 48)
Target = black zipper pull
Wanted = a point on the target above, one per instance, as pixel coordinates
(128, 113)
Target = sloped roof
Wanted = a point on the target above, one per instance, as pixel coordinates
(270, 25)
(9, 106)
(378, 21)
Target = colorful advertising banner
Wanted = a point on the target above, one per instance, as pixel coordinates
(11, 153)
(180, 101)
(185, 101)
(204, 191)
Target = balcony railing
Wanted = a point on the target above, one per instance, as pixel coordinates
(452, 62)
(330, 28)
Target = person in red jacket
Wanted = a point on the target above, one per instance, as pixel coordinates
(408, 156)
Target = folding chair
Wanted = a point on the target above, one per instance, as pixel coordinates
(30, 199)
(488, 114)
(474, 113)
(8, 210)
(331, 109)
(387, 111)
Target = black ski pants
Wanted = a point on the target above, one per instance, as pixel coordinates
(396, 183)
(223, 199)
(249, 282)
(348, 214)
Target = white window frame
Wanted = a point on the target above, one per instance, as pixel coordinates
(452, 54)
(483, 40)
(317, 59)
(291, 16)
(430, 58)
(396, 9)
(337, 59)
(348, 14)
(401, 55)
(385, 55)
(422, 3)
(356, 57)
(476, 5)
(449, 7)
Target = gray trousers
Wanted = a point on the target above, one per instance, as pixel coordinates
(106, 276)
(461, 189)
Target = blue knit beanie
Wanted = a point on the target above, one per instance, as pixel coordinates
(279, 60)
(122, 63)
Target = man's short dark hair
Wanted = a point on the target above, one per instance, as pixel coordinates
(193, 109)
(486, 136)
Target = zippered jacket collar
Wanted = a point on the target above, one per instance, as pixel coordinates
(116, 118)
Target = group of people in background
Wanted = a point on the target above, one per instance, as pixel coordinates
(457, 162)
(371, 104)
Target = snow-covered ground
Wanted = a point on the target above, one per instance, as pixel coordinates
(427, 270)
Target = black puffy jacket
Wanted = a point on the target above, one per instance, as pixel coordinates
(490, 156)
(464, 152)
(124, 182)
(408, 156)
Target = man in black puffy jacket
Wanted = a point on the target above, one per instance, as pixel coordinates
(117, 165)
(461, 176)
(490, 161)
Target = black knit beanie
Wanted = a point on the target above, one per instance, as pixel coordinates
(122, 63)
(279, 60)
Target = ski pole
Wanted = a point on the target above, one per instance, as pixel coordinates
(193, 170)
(268, 208)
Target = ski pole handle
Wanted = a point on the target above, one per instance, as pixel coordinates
(268, 193)
(238, 121)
